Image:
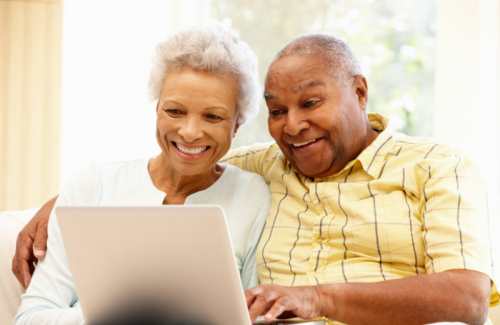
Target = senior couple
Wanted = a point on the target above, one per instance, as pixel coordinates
(347, 221)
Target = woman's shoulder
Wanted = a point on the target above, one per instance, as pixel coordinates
(84, 186)
(247, 181)
(99, 169)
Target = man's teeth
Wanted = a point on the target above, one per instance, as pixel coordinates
(190, 151)
(303, 143)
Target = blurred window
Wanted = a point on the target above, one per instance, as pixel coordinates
(394, 42)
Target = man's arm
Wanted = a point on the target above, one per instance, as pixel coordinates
(454, 295)
(254, 158)
(31, 244)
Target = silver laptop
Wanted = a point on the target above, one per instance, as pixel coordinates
(173, 261)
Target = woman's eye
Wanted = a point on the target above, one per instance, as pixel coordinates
(309, 103)
(173, 111)
(213, 117)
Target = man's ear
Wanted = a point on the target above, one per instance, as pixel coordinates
(361, 88)
(157, 107)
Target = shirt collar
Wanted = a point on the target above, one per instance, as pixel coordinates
(372, 158)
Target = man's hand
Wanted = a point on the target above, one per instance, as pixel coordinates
(31, 244)
(275, 301)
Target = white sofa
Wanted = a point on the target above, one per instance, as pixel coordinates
(11, 223)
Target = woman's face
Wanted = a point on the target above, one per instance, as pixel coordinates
(196, 119)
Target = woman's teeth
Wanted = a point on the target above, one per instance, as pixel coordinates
(303, 143)
(190, 151)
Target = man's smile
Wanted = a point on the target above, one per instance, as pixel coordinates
(306, 143)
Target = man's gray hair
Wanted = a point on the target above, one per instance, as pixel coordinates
(336, 54)
(214, 48)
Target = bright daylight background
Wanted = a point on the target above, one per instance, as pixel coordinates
(433, 67)
(107, 46)
(430, 85)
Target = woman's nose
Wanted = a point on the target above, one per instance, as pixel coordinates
(295, 122)
(191, 130)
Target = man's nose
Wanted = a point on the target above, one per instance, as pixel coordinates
(191, 130)
(295, 122)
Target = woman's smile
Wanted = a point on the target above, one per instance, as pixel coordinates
(190, 152)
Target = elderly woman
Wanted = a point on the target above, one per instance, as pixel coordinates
(206, 83)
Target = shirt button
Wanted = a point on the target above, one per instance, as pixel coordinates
(321, 205)
(314, 274)
(320, 240)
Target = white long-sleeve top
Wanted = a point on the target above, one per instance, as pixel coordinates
(51, 297)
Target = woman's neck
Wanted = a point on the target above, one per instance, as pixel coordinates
(177, 186)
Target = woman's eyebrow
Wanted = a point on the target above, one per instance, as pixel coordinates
(215, 107)
(171, 101)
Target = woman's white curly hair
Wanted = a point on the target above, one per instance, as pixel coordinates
(214, 48)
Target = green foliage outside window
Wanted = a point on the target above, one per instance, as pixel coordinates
(394, 41)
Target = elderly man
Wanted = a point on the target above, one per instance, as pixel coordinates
(366, 226)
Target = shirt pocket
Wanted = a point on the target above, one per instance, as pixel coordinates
(384, 226)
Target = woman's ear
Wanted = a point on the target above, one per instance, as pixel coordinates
(236, 127)
(157, 107)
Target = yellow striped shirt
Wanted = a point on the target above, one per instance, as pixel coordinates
(406, 206)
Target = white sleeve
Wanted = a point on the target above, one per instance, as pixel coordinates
(249, 274)
(51, 297)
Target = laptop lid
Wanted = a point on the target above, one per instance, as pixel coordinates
(177, 258)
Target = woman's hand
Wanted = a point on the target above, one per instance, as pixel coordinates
(31, 244)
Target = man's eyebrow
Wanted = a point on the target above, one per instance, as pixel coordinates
(307, 84)
(269, 96)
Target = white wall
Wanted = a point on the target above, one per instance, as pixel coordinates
(107, 50)
(467, 100)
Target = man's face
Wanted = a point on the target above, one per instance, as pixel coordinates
(318, 121)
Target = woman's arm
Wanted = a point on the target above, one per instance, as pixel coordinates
(51, 297)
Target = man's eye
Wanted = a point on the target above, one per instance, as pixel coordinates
(309, 103)
(173, 111)
(277, 112)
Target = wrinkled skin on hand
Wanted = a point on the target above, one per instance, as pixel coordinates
(274, 301)
(31, 244)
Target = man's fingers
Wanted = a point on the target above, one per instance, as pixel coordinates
(280, 305)
(40, 242)
(17, 273)
(261, 303)
(21, 259)
(23, 268)
(27, 272)
(249, 297)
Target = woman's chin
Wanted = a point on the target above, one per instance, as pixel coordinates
(192, 167)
